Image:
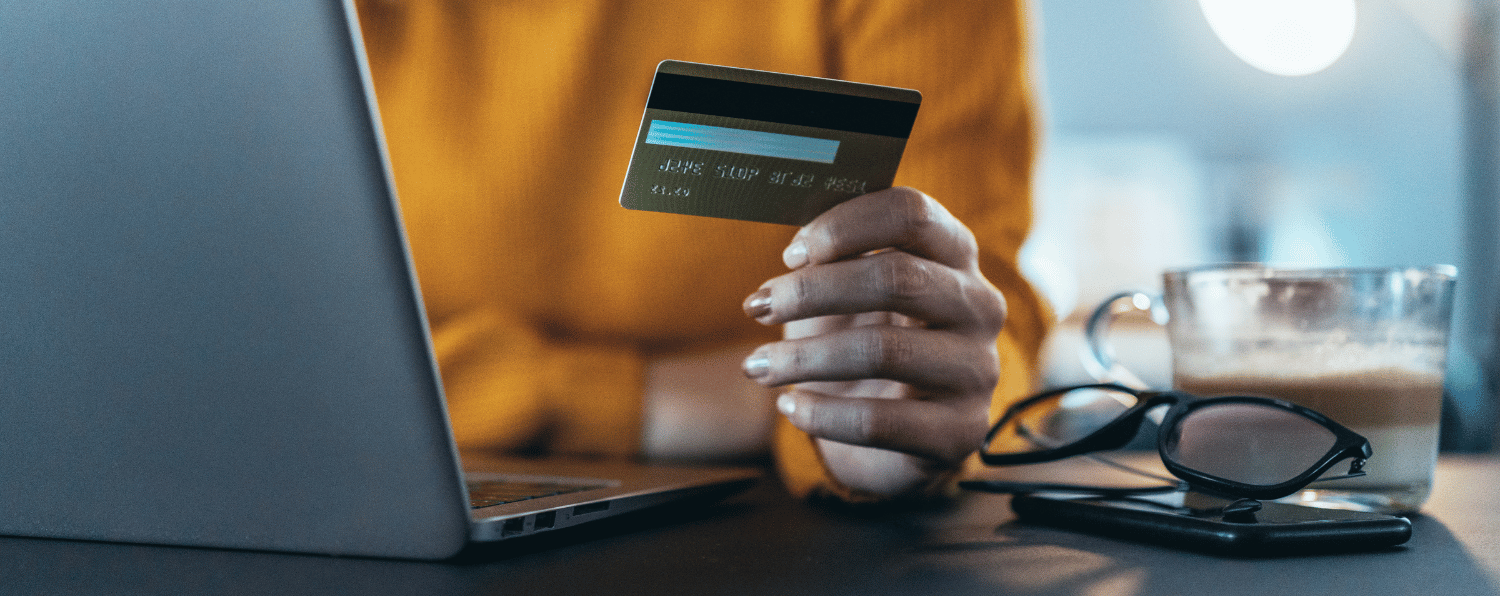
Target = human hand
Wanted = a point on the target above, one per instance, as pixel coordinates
(889, 336)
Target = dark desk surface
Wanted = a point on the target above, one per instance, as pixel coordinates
(762, 542)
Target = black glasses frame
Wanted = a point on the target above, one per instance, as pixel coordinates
(1119, 432)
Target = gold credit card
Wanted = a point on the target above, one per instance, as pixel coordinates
(763, 146)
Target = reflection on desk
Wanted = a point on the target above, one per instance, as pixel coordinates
(763, 542)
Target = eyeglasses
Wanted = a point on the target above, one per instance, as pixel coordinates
(1234, 446)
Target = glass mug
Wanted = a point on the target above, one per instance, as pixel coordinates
(1364, 346)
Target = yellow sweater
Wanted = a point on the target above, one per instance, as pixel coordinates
(510, 124)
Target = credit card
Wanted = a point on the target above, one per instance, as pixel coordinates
(763, 146)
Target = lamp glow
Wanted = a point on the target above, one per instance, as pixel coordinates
(1283, 37)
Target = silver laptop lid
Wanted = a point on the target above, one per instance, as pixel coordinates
(211, 333)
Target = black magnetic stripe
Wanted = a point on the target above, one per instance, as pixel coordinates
(769, 103)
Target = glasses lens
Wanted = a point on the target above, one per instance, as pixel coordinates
(1248, 443)
(1061, 419)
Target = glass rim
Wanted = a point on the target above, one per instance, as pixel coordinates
(1250, 270)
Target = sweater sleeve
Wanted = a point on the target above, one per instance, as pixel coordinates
(971, 149)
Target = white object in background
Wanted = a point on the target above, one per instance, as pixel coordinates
(1284, 37)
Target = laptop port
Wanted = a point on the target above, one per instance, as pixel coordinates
(513, 527)
(545, 520)
(588, 508)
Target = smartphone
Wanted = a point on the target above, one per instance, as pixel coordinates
(1191, 521)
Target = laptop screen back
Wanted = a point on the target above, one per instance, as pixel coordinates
(211, 330)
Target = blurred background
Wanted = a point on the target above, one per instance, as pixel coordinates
(1299, 132)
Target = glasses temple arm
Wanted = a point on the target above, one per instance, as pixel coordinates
(1025, 433)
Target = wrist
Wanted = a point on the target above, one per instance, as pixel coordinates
(879, 474)
(699, 406)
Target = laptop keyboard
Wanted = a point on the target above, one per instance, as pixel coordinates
(484, 493)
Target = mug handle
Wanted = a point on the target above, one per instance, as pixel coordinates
(1098, 355)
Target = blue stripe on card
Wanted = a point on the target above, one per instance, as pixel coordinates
(747, 142)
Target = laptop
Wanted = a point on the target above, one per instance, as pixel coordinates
(210, 328)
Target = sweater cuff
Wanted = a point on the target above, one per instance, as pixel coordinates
(510, 389)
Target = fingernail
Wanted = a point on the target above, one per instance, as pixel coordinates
(795, 255)
(758, 304)
(756, 365)
(786, 404)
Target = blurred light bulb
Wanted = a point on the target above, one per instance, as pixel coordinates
(1284, 37)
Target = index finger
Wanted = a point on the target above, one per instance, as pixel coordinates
(901, 218)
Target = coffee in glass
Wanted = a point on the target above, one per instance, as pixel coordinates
(1364, 346)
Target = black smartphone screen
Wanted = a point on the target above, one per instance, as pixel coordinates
(1195, 522)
